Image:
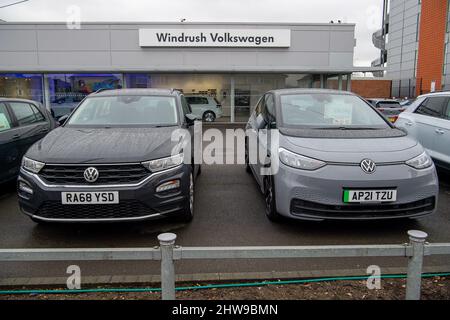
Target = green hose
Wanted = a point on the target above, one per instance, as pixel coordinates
(217, 286)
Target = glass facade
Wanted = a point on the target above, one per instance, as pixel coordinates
(21, 85)
(237, 93)
(65, 91)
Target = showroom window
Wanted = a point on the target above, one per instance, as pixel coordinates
(21, 85)
(65, 91)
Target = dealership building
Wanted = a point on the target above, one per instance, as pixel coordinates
(59, 64)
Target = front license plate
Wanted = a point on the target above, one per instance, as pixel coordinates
(370, 196)
(109, 197)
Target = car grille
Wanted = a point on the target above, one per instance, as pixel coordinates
(108, 174)
(301, 207)
(125, 209)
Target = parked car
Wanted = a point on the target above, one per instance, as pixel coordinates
(113, 160)
(428, 120)
(205, 107)
(338, 159)
(22, 123)
(389, 107)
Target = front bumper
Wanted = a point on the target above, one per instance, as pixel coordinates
(318, 195)
(137, 202)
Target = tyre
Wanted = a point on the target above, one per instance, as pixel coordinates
(209, 116)
(270, 201)
(188, 211)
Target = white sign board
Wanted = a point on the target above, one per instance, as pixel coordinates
(249, 38)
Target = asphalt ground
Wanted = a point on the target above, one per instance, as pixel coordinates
(229, 211)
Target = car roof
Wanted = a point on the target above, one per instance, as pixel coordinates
(135, 92)
(19, 100)
(439, 93)
(310, 90)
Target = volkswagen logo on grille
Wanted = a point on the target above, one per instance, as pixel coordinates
(368, 166)
(91, 174)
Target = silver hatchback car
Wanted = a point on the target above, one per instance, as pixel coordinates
(428, 120)
(338, 158)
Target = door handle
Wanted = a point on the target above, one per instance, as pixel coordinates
(409, 123)
(439, 131)
(16, 136)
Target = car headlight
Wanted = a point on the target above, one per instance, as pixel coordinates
(164, 163)
(420, 162)
(300, 162)
(32, 165)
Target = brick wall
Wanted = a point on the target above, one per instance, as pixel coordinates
(431, 44)
(367, 88)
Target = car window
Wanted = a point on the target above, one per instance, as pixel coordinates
(5, 119)
(325, 110)
(37, 113)
(197, 100)
(270, 106)
(388, 104)
(447, 112)
(258, 108)
(126, 111)
(25, 113)
(185, 104)
(432, 106)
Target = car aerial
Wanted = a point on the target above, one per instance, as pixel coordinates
(22, 123)
(428, 120)
(205, 107)
(389, 107)
(113, 160)
(338, 159)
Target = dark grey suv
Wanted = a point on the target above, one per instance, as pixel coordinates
(113, 160)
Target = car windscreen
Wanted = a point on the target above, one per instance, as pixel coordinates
(126, 111)
(388, 104)
(328, 111)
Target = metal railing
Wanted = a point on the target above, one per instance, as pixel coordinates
(168, 252)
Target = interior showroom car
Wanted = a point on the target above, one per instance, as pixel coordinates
(338, 159)
(205, 107)
(112, 161)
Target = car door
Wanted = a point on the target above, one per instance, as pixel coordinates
(424, 120)
(252, 140)
(187, 109)
(442, 137)
(264, 136)
(10, 154)
(32, 123)
(198, 105)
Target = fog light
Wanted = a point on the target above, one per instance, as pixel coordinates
(25, 188)
(169, 185)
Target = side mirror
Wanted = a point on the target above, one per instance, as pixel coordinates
(61, 120)
(260, 122)
(190, 118)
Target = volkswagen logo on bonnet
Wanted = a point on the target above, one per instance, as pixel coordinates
(368, 166)
(91, 174)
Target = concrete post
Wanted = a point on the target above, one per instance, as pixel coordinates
(46, 92)
(415, 263)
(166, 243)
(340, 82)
(232, 94)
(322, 81)
(349, 82)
